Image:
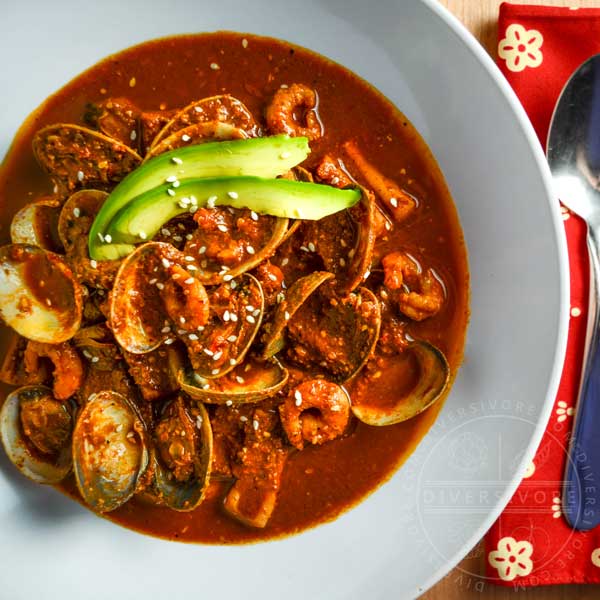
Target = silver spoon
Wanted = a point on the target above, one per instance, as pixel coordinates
(573, 152)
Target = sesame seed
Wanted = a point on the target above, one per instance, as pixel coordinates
(394, 202)
(272, 277)
(185, 138)
(232, 361)
(142, 235)
(232, 195)
(165, 329)
(198, 109)
(171, 192)
(217, 355)
(93, 263)
(351, 253)
(311, 247)
(227, 277)
(87, 354)
(222, 228)
(206, 386)
(166, 263)
(255, 424)
(233, 284)
(160, 286)
(182, 319)
(169, 341)
(188, 236)
(208, 352)
(132, 82)
(342, 262)
(80, 175)
(366, 275)
(165, 232)
(215, 372)
(286, 315)
(76, 212)
(153, 281)
(224, 268)
(388, 225)
(256, 312)
(249, 307)
(100, 237)
(133, 135)
(284, 155)
(171, 179)
(197, 378)
(214, 66)
(244, 43)
(229, 402)
(284, 86)
(211, 201)
(285, 261)
(226, 316)
(95, 359)
(185, 201)
(48, 302)
(253, 216)
(233, 317)
(177, 238)
(188, 258)
(200, 328)
(250, 319)
(199, 421)
(189, 281)
(191, 267)
(176, 160)
(239, 379)
(193, 337)
(304, 249)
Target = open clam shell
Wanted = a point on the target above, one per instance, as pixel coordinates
(182, 455)
(137, 314)
(274, 340)
(36, 224)
(223, 108)
(76, 157)
(432, 375)
(110, 451)
(35, 430)
(236, 313)
(251, 382)
(39, 297)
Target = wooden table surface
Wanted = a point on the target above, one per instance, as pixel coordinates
(462, 583)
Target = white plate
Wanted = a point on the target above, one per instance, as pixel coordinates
(415, 528)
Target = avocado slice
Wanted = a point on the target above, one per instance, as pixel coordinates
(263, 157)
(142, 218)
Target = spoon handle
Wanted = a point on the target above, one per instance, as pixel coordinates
(581, 493)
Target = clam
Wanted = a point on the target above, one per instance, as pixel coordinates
(236, 311)
(97, 346)
(36, 224)
(182, 455)
(39, 297)
(253, 381)
(110, 451)
(274, 340)
(76, 157)
(35, 430)
(224, 109)
(197, 133)
(137, 313)
(432, 375)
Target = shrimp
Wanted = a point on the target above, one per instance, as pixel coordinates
(293, 111)
(420, 293)
(185, 299)
(68, 368)
(316, 411)
(397, 202)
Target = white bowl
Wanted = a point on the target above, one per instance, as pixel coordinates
(416, 527)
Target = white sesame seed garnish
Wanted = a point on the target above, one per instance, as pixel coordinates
(166, 263)
(351, 253)
(284, 86)
(229, 402)
(171, 192)
(394, 202)
(215, 371)
(142, 235)
(169, 341)
(227, 277)
(366, 275)
(177, 238)
(304, 249)
(222, 228)
(207, 351)
(87, 354)
(233, 317)
(199, 421)
(217, 355)
(233, 284)
(181, 332)
(214, 66)
(311, 247)
(165, 232)
(232, 361)
(153, 281)
(256, 312)
(48, 302)
(182, 319)
(188, 236)
(160, 286)
(249, 308)
(285, 261)
(284, 155)
(189, 258)
(280, 297)
(206, 386)
(388, 225)
(93, 264)
(191, 267)
(298, 397)
(76, 212)
(239, 379)
(200, 328)
(165, 329)
(80, 175)
(95, 359)
(233, 195)
(255, 424)
(100, 237)
(198, 109)
(226, 316)
(272, 277)
(253, 216)
(171, 179)
(286, 315)
(193, 337)
(185, 138)
(342, 262)
(250, 319)
(244, 43)
(189, 281)
(176, 160)
(211, 201)
(133, 135)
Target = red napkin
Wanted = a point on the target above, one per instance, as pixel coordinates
(531, 544)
